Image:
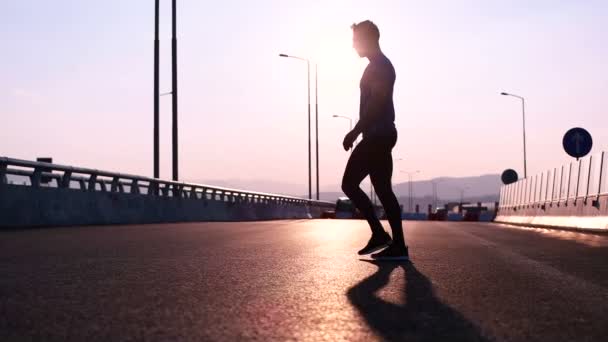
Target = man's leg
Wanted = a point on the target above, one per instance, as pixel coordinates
(356, 170)
(381, 173)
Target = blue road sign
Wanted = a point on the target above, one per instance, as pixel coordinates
(509, 176)
(577, 142)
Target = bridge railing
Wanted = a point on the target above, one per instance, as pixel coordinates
(584, 180)
(40, 174)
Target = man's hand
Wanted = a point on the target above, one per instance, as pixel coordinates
(349, 140)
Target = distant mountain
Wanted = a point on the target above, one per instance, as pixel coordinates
(483, 188)
(267, 186)
(450, 188)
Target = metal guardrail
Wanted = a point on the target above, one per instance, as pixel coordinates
(582, 180)
(50, 175)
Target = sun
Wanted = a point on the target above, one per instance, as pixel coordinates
(332, 48)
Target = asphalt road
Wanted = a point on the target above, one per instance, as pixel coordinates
(301, 280)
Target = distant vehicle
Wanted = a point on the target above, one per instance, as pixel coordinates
(345, 209)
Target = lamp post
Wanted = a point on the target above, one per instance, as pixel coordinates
(347, 118)
(435, 193)
(410, 186)
(462, 190)
(174, 91)
(317, 125)
(156, 93)
(523, 112)
(309, 138)
(156, 129)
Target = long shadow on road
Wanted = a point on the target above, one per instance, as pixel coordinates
(423, 317)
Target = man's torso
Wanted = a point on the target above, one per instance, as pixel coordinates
(379, 70)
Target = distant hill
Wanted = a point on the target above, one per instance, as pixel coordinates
(268, 186)
(483, 188)
(450, 187)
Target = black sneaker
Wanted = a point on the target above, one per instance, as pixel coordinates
(393, 253)
(376, 243)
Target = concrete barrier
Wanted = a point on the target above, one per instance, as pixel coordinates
(22, 206)
(574, 195)
(590, 213)
(126, 199)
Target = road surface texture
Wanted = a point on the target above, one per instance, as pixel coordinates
(301, 280)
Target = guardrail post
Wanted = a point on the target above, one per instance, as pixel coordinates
(92, 182)
(569, 181)
(588, 178)
(102, 185)
(546, 191)
(135, 187)
(540, 188)
(547, 187)
(535, 187)
(115, 184)
(561, 183)
(66, 179)
(596, 202)
(553, 185)
(3, 168)
(578, 181)
(35, 177)
(531, 192)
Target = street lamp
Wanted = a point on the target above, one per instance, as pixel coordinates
(347, 118)
(410, 187)
(156, 128)
(523, 111)
(435, 193)
(462, 190)
(316, 124)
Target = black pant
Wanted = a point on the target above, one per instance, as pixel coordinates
(372, 157)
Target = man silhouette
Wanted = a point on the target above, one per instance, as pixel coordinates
(372, 156)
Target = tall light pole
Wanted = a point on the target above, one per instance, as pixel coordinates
(435, 193)
(462, 196)
(317, 124)
(523, 112)
(462, 190)
(309, 143)
(156, 92)
(410, 188)
(174, 91)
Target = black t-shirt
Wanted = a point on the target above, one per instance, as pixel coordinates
(379, 70)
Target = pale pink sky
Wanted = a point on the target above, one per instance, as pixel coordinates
(77, 83)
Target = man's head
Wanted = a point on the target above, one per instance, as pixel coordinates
(366, 38)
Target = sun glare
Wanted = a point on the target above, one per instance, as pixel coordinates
(332, 48)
